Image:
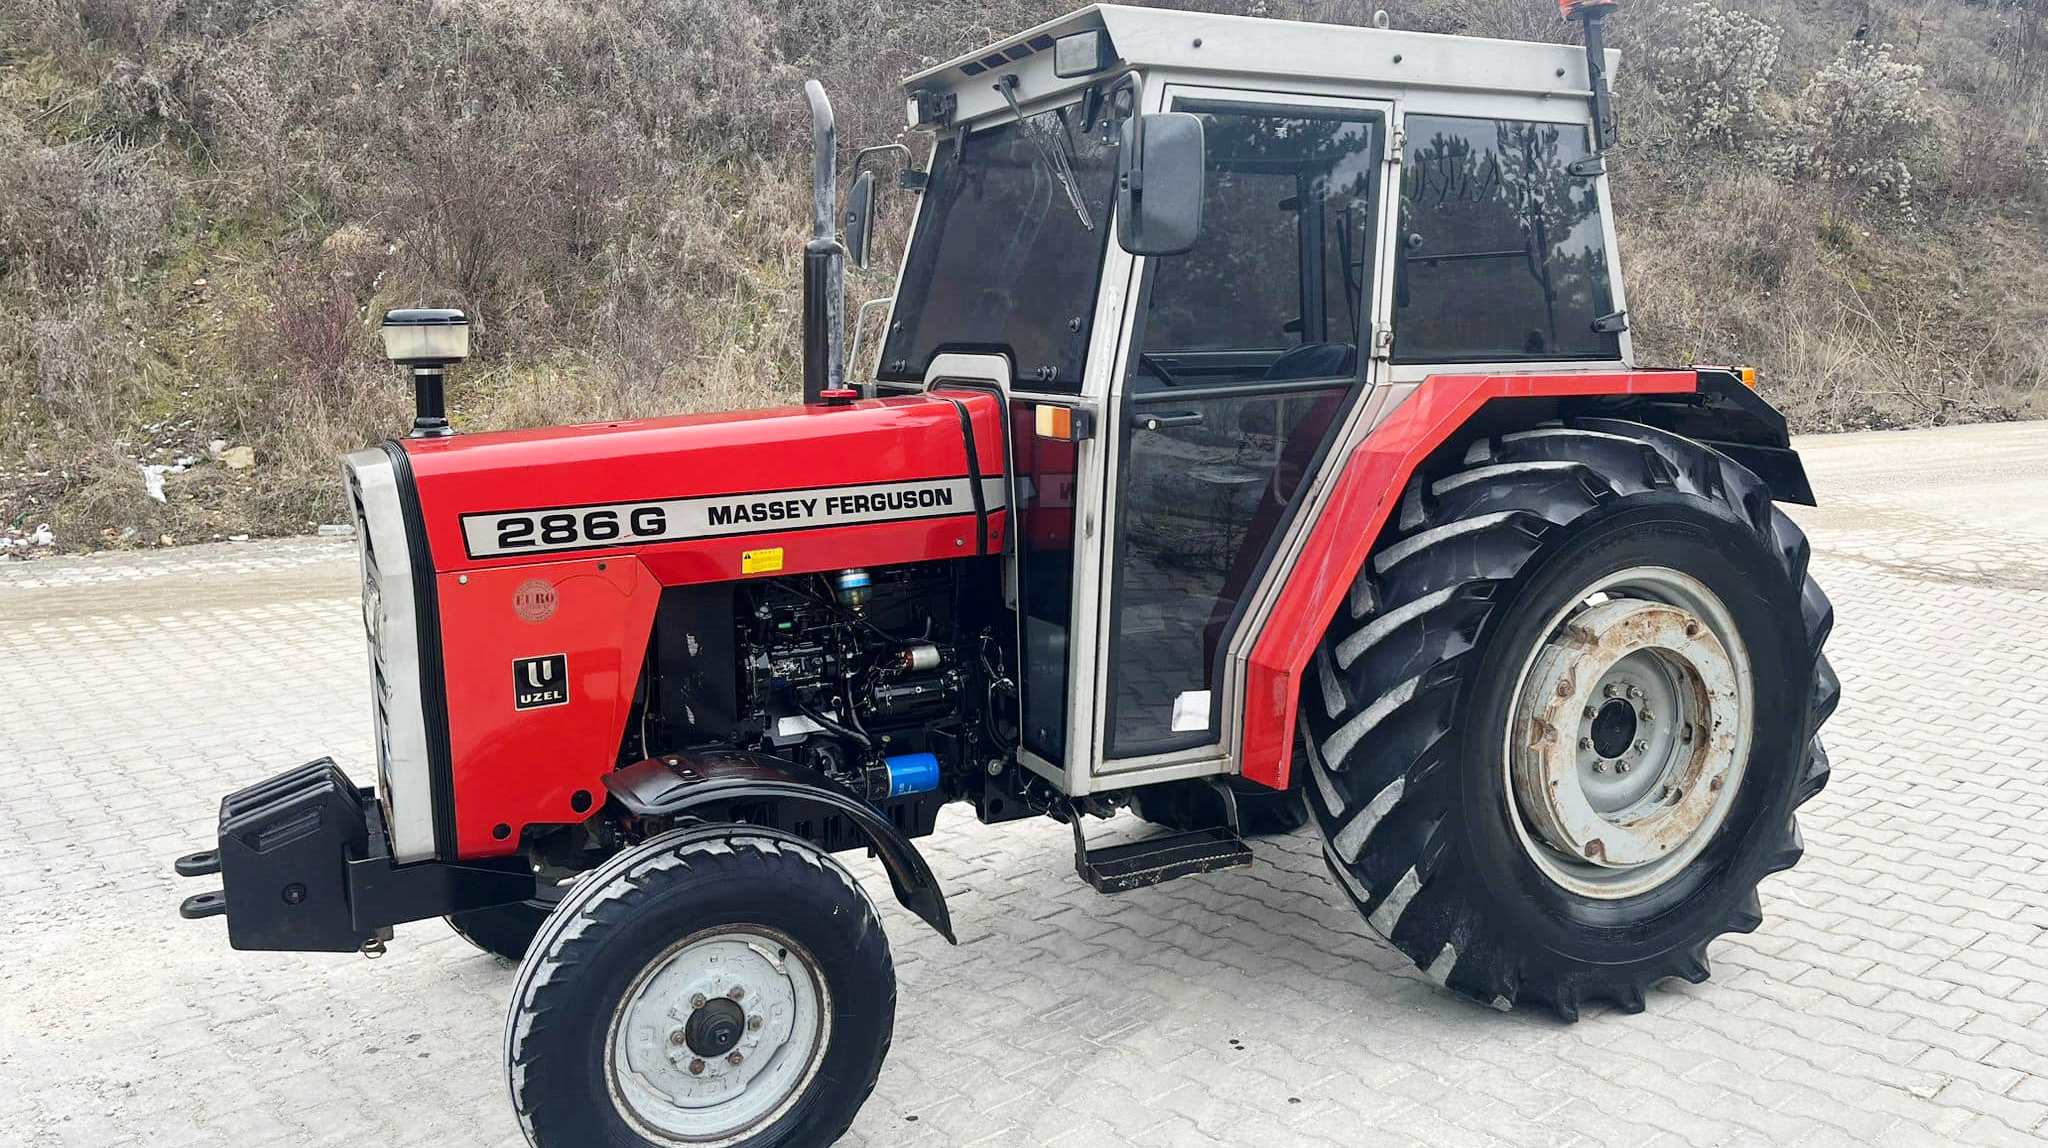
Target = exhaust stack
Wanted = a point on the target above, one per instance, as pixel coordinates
(824, 263)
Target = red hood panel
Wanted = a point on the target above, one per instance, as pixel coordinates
(712, 497)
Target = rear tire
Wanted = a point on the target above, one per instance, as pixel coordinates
(714, 985)
(1437, 747)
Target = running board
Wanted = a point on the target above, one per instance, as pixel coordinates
(1136, 864)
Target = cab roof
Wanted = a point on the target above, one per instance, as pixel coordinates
(1199, 42)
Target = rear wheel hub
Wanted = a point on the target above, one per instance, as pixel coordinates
(1629, 734)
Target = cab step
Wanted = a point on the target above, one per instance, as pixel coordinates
(1136, 864)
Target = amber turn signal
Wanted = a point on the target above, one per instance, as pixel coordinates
(1055, 422)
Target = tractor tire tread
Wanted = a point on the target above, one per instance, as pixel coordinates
(613, 892)
(1461, 533)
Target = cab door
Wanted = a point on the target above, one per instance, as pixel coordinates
(1246, 355)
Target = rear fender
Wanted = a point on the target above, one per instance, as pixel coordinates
(1722, 414)
(703, 783)
(1365, 493)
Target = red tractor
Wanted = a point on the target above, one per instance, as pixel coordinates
(1254, 438)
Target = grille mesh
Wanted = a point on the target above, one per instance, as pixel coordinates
(380, 686)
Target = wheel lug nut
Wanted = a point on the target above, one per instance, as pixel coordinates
(1635, 693)
(1613, 690)
(1591, 713)
(1642, 747)
(677, 1037)
(1621, 766)
(1646, 717)
(1599, 767)
(734, 1058)
(1585, 743)
(753, 1024)
(696, 1068)
(697, 1001)
(736, 993)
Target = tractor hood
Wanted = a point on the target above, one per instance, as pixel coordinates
(707, 498)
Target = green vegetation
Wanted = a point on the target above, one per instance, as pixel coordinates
(203, 206)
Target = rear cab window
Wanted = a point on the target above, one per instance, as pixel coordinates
(1502, 252)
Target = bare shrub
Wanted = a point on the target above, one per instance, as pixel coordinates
(1714, 73)
(84, 365)
(1858, 126)
(76, 215)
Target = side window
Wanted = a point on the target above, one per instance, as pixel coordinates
(1501, 254)
(1274, 288)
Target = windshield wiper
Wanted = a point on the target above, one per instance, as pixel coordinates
(1054, 153)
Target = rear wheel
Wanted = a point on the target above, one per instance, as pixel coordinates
(713, 986)
(1558, 737)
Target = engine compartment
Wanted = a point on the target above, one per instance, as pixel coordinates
(896, 682)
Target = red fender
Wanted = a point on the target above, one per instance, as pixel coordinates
(1343, 535)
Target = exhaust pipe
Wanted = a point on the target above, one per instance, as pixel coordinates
(824, 263)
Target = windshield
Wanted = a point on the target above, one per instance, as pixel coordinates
(1001, 260)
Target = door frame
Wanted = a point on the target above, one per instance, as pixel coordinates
(1091, 768)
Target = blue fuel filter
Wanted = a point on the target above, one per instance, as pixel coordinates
(912, 773)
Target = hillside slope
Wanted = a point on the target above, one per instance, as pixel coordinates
(203, 206)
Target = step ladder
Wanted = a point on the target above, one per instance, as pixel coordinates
(1152, 860)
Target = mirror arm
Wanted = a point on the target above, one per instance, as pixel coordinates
(1133, 164)
(860, 157)
(1136, 83)
(860, 323)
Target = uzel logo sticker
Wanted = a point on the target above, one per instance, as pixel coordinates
(538, 682)
(535, 600)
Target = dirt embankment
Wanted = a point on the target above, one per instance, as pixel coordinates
(204, 207)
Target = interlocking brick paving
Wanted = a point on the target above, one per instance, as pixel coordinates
(1897, 992)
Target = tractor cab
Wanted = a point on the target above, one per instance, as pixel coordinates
(1326, 217)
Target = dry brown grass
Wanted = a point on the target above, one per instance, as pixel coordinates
(203, 207)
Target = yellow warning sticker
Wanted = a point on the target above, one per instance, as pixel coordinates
(761, 561)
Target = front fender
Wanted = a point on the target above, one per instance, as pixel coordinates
(701, 782)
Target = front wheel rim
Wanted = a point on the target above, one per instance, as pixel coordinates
(1629, 734)
(718, 1037)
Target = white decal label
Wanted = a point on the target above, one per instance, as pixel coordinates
(1191, 711)
(682, 519)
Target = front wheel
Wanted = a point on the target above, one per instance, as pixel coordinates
(1559, 735)
(717, 985)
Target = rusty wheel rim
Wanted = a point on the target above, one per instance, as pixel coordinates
(1630, 733)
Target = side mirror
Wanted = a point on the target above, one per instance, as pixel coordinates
(860, 218)
(1159, 183)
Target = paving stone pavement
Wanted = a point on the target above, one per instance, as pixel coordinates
(1897, 992)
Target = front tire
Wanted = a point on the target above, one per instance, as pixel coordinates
(715, 985)
(1480, 803)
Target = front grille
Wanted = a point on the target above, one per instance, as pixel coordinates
(391, 631)
(380, 682)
